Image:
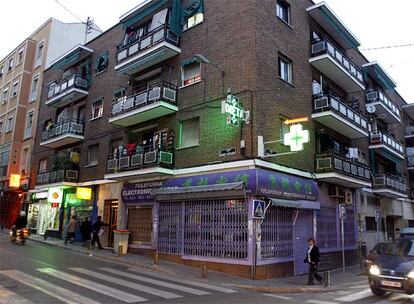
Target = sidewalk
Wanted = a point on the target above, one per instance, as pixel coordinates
(339, 280)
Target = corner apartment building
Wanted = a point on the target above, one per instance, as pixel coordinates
(172, 124)
(21, 76)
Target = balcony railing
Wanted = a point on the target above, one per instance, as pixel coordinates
(329, 102)
(57, 176)
(378, 96)
(160, 91)
(73, 81)
(139, 157)
(390, 182)
(67, 127)
(341, 164)
(383, 138)
(326, 47)
(156, 36)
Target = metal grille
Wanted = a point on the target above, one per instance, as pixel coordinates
(170, 228)
(140, 224)
(349, 228)
(277, 233)
(326, 227)
(216, 228)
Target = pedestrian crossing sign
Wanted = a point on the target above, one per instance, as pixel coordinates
(258, 209)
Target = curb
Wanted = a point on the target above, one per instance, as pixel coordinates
(278, 290)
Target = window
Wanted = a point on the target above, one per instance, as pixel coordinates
(43, 165)
(24, 163)
(1, 70)
(370, 224)
(101, 63)
(193, 20)
(9, 124)
(10, 64)
(283, 11)
(5, 95)
(97, 108)
(4, 162)
(20, 57)
(1, 128)
(190, 133)
(29, 125)
(191, 73)
(33, 91)
(285, 69)
(15, 89)
(93, 154)
(39, 54)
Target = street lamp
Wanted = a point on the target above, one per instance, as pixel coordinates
(203, 59)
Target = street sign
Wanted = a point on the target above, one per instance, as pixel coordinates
(258, 209)
(378, 216)
(342, 211)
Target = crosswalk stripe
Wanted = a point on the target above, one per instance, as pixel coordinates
(156, 282)
(393, 298)
(50, 289)
(355, 296)
(9, 297)
(143, 288)
(191, 283)
(277, 296)
(106, 290)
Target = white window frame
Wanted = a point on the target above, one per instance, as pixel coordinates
(21, 51)
(42, 167)
(26, 136)
(9, 127)
(10, 64)
(1, 70)
(33, 94)
(93, 108)
(195, 144)
(193, 21)
(88, 156)
(15, 85)
(279, 4)
(286, 61)
(39, 59)
(26, 160)
(4, 97)
(195, 80)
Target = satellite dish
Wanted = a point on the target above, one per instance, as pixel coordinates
(371, 108)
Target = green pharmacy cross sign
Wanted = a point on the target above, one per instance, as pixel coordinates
(296, 138)
(234, 110)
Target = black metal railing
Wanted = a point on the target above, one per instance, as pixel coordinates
(66, 127)
(160, 91)
(331, 162)
(326, 47)
(383, 138)
(73, 81)
(57, 176)
(378, 96)
(330, 102)
(389, 181)
(133, 157)
(154, 37)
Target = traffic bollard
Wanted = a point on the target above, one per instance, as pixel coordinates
(156, 258)
(204, 270)
(327, 278)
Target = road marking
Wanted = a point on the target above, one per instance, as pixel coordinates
(156, 282)
(355, 296)
(320, 302)
(9, 297)
(178, 280)
(150, 290)
(50, 289)
(393, 298)
(276, 296)
(106, 290)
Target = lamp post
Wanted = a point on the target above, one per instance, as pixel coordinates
(203, 59)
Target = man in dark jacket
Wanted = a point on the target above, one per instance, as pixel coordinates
(20, 223)
(96, 228)
(312, 258)
(86, 231)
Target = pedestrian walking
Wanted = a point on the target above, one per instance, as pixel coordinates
(97, 231)
(86, 231)
(70, 234)
(312, 258)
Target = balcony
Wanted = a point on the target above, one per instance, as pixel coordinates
(384, 107)
(334, 113)
(410, 162)
(57, 177)
(340, 170)
(386, 143)
(139, 161)
(333, 63)
(62, 134)
(389, 186)
(157, 101)
(68, 90)
(158, 45)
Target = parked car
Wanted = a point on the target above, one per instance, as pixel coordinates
(394, 272)
(382, 248)
(407, 232)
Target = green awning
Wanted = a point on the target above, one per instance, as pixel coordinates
(188, 61)
(284, 203)
(142, 13)
(195, 6)
(176, 17)
(375, 70)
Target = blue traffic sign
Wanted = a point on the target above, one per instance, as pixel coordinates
(259, 209)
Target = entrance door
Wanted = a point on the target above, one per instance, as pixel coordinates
(303, 231)
(110, 217)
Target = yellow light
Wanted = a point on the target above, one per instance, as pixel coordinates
(296, 120)
(14, 181)
(83, 193)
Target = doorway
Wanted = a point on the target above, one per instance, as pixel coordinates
(110, 217)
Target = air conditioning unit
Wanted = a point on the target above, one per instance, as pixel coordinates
(348, 198)
(321, 103)
(372, 96)
(336, 192)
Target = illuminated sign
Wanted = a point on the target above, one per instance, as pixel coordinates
(234, 109)
(55, 195)
(14, 181)
(83, 193)
(296, 120)
(296, 138)
(39, 195)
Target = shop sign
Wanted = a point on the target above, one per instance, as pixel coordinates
(140, 192)
(83, 193)
(234, 110)
(296, 138)
(14, 181)
(54, 205)
(55, 195)
(39, 195)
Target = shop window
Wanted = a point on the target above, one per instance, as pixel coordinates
(101, 63)
(97, 108)
(285, 69)
(326, 227)
(140, 224)
(190, 133)
(283, 11)
(93, 155)
(191, 73)
(370, 224)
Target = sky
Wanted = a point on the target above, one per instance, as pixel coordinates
(375, 23)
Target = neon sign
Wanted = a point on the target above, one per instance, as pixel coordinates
(234, 109)
(296, 138)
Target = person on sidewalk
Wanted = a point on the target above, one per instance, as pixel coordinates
(70, 234)
(86, 231)
(312, 258)
(97, 231)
